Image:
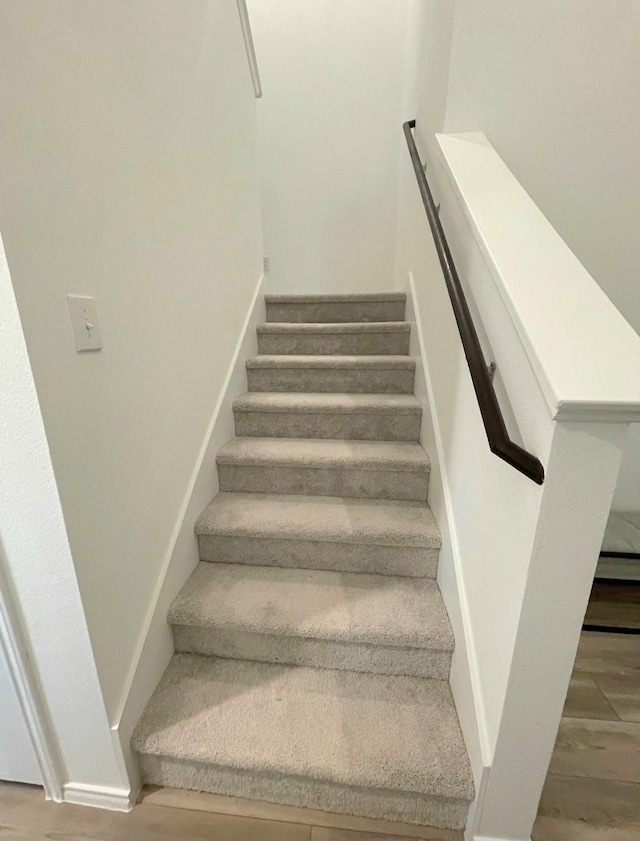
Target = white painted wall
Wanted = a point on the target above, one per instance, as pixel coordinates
(155, 646)
(43, 631)
(555, 88)
(428, 49)
(129, 173)
(329, 129)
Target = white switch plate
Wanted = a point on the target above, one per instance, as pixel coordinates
(84, 320)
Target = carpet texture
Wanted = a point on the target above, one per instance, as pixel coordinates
(332, 373)
(372, 339)
(327, 619)
(371, 469)
(352, 535)
(313, 645)
(335, 308)
(375, 733)
(369, 417)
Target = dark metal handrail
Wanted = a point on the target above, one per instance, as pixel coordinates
(499, 442)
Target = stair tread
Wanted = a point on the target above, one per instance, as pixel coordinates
(327, 402)
(325, 453)
(344, 298)
(363, 730)
(332, 519)
(337, 361)
(318, 604)
(315, 327)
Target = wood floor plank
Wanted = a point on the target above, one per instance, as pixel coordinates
(327, 833)
(563, 829)
(623, 693)
(606, 750)
(26, 816)
(588, 809)
(610, 653)
(623, 592)
(613, 614)
(586, 700)
(196, 800)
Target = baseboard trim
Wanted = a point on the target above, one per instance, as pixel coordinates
(99, 797)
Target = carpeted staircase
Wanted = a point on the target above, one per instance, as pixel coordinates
(313, 646)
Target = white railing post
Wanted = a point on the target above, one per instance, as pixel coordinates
(581, 473)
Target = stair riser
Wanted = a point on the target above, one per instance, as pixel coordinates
(336, 312)
(318, 653)
(320, 481)
(356, 427)
(408, 561)
(296, 791)
(329, 344)
(323, 380)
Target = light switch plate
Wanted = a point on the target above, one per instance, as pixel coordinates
(84, 320)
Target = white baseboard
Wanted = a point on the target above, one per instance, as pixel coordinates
(99, 797)
(155, 644)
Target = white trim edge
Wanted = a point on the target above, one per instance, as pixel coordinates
(249, 46)
(99, 797)
(14, 643)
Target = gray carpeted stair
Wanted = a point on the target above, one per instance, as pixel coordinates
(339, 309)
(334, 373)
(366, 417)
(313, 643)
(350, 535)
(373, 339)
(370, 469)
(333, 620)
(381, 745)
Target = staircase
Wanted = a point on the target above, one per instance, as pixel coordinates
(313, 646)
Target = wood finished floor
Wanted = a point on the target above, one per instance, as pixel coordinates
(614, 605)
(592, 791)
(169, 814)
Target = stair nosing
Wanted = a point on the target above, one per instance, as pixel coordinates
(329, 327)
(419, 463)
(337, 362)
(345, 298)
(275, 402)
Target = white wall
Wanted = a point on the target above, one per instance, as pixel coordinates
(48, 665)
(428, 49)
(554, 86)
(329, 130)
(129, 173)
